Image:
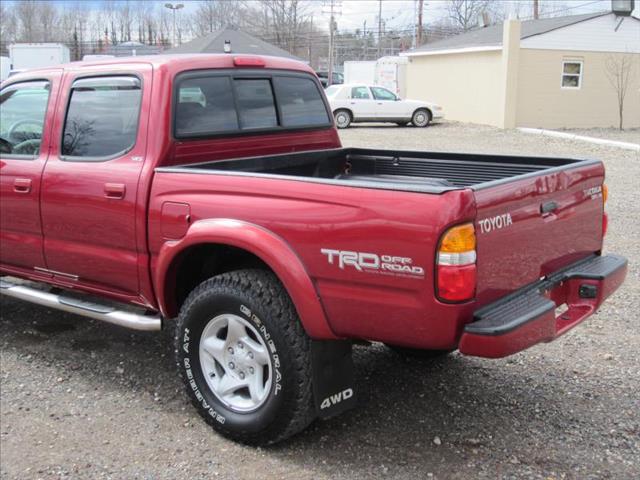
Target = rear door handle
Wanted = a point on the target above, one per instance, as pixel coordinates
(114, 190)
(548, 207)
(22, 185)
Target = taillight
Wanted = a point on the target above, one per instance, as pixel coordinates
(605, 219)
(456, 264)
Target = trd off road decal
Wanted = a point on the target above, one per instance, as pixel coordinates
(373, 263)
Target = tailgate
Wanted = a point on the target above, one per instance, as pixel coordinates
(527, 228)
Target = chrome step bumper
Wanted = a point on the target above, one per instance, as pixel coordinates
(105, 313)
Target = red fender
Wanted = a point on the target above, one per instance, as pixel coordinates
(266, 245)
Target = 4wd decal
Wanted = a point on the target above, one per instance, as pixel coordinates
(495, 223)
(337, 398)
(373, 263)
(593, 192)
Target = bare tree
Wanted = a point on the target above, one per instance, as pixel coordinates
(619, 69)
(465, 13)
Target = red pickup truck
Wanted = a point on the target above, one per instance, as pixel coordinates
(214, 190)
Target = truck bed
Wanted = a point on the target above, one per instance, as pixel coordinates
(429, 172)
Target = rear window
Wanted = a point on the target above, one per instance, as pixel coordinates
(102, 117)
(300, 102)
(256, 105)
(205, 105)
(218, 103)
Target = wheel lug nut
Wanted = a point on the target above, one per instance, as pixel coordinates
(251, 370)
(241, 375)
(250, 354)
(232, 365)
(231, 350)
(240, 345)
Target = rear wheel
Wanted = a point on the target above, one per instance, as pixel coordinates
(244, 357)
(343, 118)
(421, 117)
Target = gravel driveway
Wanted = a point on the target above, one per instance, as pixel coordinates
(81, 399)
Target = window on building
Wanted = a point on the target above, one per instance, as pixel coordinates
(102, 117)
(22, 110)
(360, 93)
(571, 74)
(300, 102)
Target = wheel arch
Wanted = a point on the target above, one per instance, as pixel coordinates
(346, 109)
(424, 107)
(240, 245)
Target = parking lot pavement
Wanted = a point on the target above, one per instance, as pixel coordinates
(81, 399)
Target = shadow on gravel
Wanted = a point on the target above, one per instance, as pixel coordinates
(475, 408)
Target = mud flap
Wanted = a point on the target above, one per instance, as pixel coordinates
(333, 377)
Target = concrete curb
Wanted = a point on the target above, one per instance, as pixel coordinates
(600, 141)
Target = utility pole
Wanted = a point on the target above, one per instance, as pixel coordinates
(379, 26)
(174, 8)
(536, 13)
(331, 24)
(420, 5)
(310, 36)
(332, 28)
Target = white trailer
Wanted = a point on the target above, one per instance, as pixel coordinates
(25, 56)
(5, 68)
(391, 73)
(359, 72)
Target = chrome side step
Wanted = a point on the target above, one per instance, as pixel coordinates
(85, 308)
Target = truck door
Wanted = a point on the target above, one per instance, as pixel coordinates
(25, 132)
(92, 222)
(361, 103)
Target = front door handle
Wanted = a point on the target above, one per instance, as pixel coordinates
(22, 185)
(114, 190)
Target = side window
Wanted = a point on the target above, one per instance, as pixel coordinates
(256, 107)
(571, 74)
(360, 93)
(205, 105)
(300, 102)
(22, 110)
(382, 94)
(102, 117)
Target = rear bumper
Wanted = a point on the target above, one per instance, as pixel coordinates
(528, 316)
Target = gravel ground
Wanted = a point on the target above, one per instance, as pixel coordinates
(87, 400)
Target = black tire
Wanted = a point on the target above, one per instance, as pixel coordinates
(402, 124)
(417, 353)
(343, 118)
(288, 407)
(421, 117)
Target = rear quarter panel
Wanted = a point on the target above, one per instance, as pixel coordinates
(310, 217)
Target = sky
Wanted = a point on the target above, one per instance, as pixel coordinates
(351, 14)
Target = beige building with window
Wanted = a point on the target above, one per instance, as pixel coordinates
(546, 73)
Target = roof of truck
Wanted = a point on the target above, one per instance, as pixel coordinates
(173, 63)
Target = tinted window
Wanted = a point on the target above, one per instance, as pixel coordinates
(205, 105)
(22, 110)
(300, 102)
(102, 117)
(256, 107)
(361, 93)
(382, 94)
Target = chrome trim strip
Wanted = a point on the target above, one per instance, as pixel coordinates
(117, 317)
